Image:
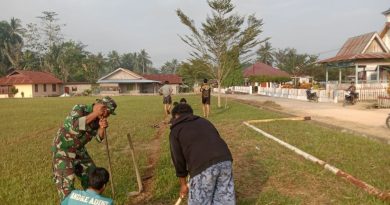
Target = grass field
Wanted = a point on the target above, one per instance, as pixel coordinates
(265, 172)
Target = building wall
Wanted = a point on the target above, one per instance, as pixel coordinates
(374, 47)
(49, 90)
(26, 89)
(129, 88)
(109, 88)
(78, 88)
(149, 88)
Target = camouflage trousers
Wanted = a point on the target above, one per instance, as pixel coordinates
(66, 169)
(213, 186)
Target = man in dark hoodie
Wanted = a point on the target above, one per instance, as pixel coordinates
(198, 150)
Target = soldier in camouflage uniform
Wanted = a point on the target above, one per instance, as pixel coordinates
(70, 157)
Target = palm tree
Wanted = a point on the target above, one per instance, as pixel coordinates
(170, 67)
(114, 61)
(11, 41)
(144, 58)
(265, 53)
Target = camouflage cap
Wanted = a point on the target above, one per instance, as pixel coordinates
(109, 102)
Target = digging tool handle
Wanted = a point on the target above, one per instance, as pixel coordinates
(109, 164)
(140, 188)
(178, 202)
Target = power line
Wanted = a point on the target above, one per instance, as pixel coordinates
(328, 51)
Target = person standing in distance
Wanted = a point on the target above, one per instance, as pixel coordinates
(205, 90)
(166, 91)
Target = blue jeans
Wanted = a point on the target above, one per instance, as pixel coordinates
(213, 186)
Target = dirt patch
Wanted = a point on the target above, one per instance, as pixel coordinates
(154, 148)
(266, 105)
(357, 119)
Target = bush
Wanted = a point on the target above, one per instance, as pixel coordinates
(87, 92)
(305, 86)
(288, 85)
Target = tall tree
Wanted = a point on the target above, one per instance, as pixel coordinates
(127, 61)
(34, 48)
(235, 77)
(294, 63)
(51, 29)
(144, 60)
(114, 61)
(265, 53)
(194, 71)
(170, 67)
(12, 41)
(93, 67)
(221, 33)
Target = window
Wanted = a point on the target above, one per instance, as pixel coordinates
(44, 87)
(36, 88)
(53, 87)
(373, 76)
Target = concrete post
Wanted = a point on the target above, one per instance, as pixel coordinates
(327, 75)
(378, 74)
(356, 74)
(339, 75)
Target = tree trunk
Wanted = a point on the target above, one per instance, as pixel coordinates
(219, 94)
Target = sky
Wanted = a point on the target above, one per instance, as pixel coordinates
(317, 27)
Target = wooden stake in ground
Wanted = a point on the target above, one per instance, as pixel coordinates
(139, 181)
(109, 164)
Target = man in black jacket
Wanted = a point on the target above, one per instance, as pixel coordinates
(198, 150)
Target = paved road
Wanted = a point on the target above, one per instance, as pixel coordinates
(357, 118)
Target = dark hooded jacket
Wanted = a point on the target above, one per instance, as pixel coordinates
(196, 145)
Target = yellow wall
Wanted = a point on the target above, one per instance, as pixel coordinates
(26, 89)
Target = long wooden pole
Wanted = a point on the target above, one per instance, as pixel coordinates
(139, 181)
(109, 164)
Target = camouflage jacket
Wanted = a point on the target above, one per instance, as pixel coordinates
(75, 133)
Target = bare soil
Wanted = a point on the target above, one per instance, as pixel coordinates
(359, 119)
(154, 153)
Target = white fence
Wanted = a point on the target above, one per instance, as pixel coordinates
(332, 94)
(292, 93)
(236, 89)
(383, 102)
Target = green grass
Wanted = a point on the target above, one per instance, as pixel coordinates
(264, 172)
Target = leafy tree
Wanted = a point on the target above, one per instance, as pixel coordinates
(127, 61)
(221, 33)
(296, 64)
(93, 67)
(144, 59)
(51, 29)
(265, 53)
(170, 67)
(114, 61)
(235, 76)
(194, 71)
(11, 41)
(14, 91)
(66, 59)
(31, 60)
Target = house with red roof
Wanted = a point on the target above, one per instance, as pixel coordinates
(369, 54)
(124, 81)
(30, 84)
(174, 80)
(263, 70)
